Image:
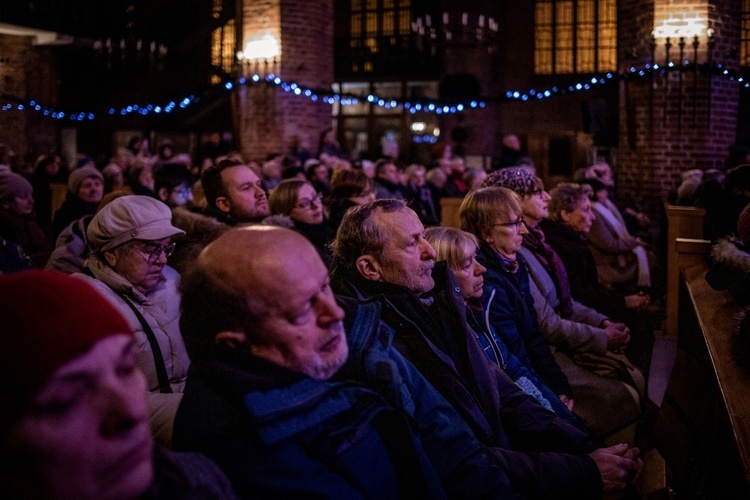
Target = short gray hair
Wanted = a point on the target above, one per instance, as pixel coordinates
(566, 196)
(359, 234)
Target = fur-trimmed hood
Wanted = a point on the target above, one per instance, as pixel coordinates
(730, 269)
(200, 230)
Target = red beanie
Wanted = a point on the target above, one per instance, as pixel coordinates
(48, 318)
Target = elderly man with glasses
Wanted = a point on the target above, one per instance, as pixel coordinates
(130, 241)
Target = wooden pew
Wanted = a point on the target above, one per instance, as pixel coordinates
(703, 426)
(449, 212)
(682, 222)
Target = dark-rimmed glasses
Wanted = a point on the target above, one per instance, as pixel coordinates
(306, 203)
(516, 224)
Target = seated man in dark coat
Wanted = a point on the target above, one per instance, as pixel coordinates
(271, 399)
(380, 254)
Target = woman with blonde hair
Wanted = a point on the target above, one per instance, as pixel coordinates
(459, 249)
(495, 215)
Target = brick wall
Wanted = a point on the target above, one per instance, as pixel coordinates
(25, 71)
(268, 116)
(673, 123)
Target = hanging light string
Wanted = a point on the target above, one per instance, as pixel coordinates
(10, 103)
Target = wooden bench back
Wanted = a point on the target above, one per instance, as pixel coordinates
(703, 426)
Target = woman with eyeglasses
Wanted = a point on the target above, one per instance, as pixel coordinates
(130, 241)
(301, 208)
(494, 216)
(588, 345)
(459, 249)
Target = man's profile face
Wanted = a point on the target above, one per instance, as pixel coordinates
(302, 326)
(407, 258)
(245, 197)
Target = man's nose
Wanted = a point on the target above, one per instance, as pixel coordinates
(426, 250)
(329, 312)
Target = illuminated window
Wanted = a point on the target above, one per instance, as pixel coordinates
(575, 36)
(745, 34)
(223, 48)
(371, 20)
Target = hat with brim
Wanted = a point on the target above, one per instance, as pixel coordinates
(130, 218)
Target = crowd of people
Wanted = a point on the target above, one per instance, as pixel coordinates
(304, 326)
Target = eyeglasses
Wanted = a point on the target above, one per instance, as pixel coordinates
(516, 224)
(306, 203)
(153, 252)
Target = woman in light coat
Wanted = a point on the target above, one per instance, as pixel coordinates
(130, 241)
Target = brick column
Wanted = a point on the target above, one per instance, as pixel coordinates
(266, 116)
(25, 73)
(669, 124)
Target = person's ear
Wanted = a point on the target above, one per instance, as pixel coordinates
(565, 215)
(488, 238)
(369, 267)
(223, 204)
(163, 194)
(111, 257)
(232, 340)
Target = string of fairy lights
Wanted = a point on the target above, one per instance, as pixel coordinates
(11, 103)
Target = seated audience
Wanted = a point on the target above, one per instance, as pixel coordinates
(141, 179)
(72, 245)
(113, 178)
(506, 298)
(459, 249)
(349, 188)
(130, 241)
(271, 397)
(85, 191)
(419, 195)
(12, 258)
(75, 417)
(380, 254)
(570, 219)
(730, 270)
(302, 207)
(234, 195)
(173, 185)
(622, 260)
(318, 173)
(473, 178)
(387, 183)
(48, 170)
(18, 221)
(583, 337)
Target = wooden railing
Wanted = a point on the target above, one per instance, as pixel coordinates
(682, 222)
(703, 427)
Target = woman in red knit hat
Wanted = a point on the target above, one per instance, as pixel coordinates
(75, 416)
